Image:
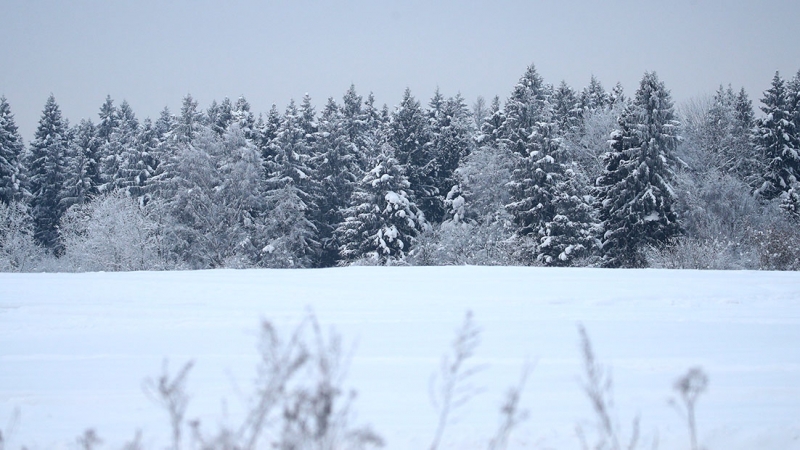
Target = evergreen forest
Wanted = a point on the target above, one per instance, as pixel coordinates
(550, 176)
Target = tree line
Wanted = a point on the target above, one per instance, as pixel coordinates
(551, 176)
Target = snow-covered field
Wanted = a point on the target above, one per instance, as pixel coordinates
(75, 349)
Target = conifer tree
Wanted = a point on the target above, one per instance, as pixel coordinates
(267, 131)
(294, 194)
(336, 164)
(189, 122)
(307, 119)
(634, 195)
(567, 110)
(82, 176)
(554, 219)
(109, 120)
(776, 140)
(617, 95)
(451, 140)
(220, 115)
(358, 127)
(123, 162)
(382, 221)
(12, 186)
(491, 127)
(162, 155)
(408, 136)
(142, 163)
(529, 102)
(594, 96)
(46, 170)
(243, 117)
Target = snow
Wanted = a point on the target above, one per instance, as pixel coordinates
(75, 349)
(393, 198)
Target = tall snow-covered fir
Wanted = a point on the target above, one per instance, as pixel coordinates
(11, 152)
(47, 171)
(635, 194)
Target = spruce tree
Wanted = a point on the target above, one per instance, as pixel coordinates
(567, 110)
(47, 170)
(243, 117)
(594, 96)
(123, 160)
(529, 102)
(82, 175)
(109, 120)
(220, 115)
(12, 186)
(553, 218)
(189, 122)
(451, 140)
(337, 168)
(634, 195)
(382, 221)
(358, 127)
(776, 140)
(409, 137)
(294, 194)
(162, 156)
(266, 132)
(491, 127)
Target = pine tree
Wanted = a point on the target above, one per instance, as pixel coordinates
(12, 185)
(46, 170)
(109, 121)
(336, 165)
(491, 127)
(408, 136)
(290, 178)
(243, 117)
(451, 140)
(791, 200)
(529, 102)
(220, 116)
(617, 95)
(162, 156)
(776, 140)
(594, 96)
(546, 201)
(267, 131)
(82, 176)
(567, 110)
(359, 127)
(382, 221)
(635, 199)
(307, 119)
(143, 163)
(123, 164)
(189, 122)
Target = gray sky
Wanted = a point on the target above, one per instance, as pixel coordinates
(154, 52)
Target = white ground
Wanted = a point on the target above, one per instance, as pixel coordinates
(75, 349)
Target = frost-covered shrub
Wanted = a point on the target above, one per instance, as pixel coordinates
(111, 233)
(688, 253)
(18, 251)
(779, 245)
(726, 227)
(462, 243)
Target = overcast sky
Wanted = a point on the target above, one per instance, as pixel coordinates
(154, 52)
